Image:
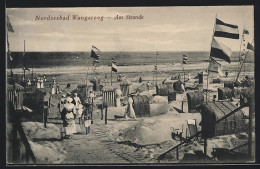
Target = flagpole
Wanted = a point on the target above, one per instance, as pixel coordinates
(243, 61)
(111, 71)
(183, 70)
(24, 62)
(156, 69)
(210, 58)
(239, 55)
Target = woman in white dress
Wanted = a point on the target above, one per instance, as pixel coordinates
(130, 110)
(70, 125)
(41, 83)
(52, 89)
(118, 94)
(38, 84)
(78, 106)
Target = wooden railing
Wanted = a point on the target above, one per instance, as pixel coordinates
(18, 128)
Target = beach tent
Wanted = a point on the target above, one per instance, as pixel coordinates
(15, 95)
(96, 84)
(126, 87)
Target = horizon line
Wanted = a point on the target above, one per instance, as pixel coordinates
(123, 51)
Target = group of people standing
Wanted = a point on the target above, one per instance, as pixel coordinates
(71, 109)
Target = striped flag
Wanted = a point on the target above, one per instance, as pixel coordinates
(184, 59)
(113, 61)
(226, 30)
(94, 47)
(250, 47)
(9, 25)
(114, 67)
(245, 31)
(155, 67)
(220, 51)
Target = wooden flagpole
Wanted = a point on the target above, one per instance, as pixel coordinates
(111, 70)
(156, 68)
(24, 61)
(210, 59)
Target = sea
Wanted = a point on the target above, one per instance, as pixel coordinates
(56, 59)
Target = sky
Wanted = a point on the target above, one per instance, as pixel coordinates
(161, 29)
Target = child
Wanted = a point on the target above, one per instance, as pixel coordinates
(87, 123)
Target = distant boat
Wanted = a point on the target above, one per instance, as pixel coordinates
(77, 57)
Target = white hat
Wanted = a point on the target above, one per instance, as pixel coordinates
(69, 100)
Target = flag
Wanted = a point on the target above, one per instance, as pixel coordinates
(245, 31)
(155, 67)
(184, 59)
(215, 67)
(114, 67)
(113, 61)
(220, 51)
(10, 57)
(94, 55)
(250, 47)
(95, 48)
(226, 30)
(9, 25)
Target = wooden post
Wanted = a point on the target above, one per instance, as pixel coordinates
(251, 151)
(205, 146)
(182, 106)
(102, 111)
(177, 153)
(45, 117)
(106, 116)
(14, 142)
(92, 111)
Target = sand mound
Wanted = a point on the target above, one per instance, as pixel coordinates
(148, 131)
(36, 130)
(48, 152)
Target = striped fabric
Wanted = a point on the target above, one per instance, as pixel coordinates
(226, 30)
(220, 51)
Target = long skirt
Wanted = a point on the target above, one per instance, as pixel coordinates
(118, 103)
(130, 111)
(52, 90)
(70, 127)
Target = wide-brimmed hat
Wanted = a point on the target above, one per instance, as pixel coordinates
(68, 94)
(63, 95)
